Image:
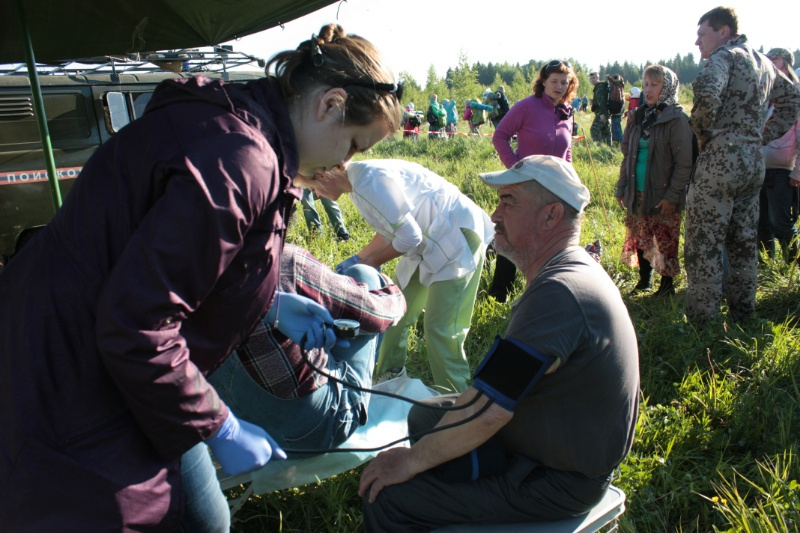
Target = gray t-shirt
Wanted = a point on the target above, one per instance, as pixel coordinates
(581, 417)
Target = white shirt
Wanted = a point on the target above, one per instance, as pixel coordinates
(385, 190)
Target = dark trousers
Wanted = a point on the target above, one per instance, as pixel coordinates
(777, 212)
(504, 275)
(526, 491)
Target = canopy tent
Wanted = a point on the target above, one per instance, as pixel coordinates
(68, 29)
(58, 30)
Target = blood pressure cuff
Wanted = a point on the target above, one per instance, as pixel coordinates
(509, 371)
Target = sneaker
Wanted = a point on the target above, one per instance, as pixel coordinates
(390, 374)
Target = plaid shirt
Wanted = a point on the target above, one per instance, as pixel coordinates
(274, 361)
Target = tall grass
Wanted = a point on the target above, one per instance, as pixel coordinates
(719, 424)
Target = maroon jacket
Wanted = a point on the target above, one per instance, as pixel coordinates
(163, 258)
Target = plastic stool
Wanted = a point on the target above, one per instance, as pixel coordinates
(604, 513)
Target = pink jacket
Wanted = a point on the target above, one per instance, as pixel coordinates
(784, 151)
(539, 128)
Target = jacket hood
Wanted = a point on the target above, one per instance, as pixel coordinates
(258, 103)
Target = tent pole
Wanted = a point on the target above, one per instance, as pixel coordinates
(38, 103)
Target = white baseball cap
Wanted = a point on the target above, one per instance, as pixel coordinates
(553, 173)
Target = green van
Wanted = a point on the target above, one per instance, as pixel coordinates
(85, 104)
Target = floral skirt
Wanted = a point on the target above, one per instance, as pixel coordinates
(656, 235)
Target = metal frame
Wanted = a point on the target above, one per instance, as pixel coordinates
(192, 61)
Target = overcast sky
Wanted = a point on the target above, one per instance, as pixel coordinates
(415, 34)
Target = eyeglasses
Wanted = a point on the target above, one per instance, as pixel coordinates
(393, 88)
(556, 63)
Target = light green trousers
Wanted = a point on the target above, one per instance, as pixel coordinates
(448, 309)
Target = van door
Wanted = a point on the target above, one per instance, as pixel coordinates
(24, 191)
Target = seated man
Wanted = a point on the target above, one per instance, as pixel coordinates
(266, 381)
(548, 453)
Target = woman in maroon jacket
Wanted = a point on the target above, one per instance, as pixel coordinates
(162, 259)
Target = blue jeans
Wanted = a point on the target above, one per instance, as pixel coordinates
(775, 217)
(325, 418)
(616, 128)
(205, 506)
(331, 208)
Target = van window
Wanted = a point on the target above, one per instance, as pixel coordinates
(117, 110)
(140, 101)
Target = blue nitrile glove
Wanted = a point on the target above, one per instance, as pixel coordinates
(240, 446)
(347, 263)
(297, 316)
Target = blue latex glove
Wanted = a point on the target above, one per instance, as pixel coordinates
(347, 263)
(297, 316)
(240, 446)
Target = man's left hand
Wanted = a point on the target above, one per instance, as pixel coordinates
(388, 468)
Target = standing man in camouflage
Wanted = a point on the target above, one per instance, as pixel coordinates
(601, 131)
(731, 97)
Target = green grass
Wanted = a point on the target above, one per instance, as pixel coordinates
(719, 424)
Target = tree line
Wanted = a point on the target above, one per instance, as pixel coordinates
(468, 81)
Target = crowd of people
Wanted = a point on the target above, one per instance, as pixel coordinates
(160, 318)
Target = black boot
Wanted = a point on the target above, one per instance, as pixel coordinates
(645, 274)
(504, 275)
(666, 288)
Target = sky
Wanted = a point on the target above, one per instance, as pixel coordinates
(412, 35)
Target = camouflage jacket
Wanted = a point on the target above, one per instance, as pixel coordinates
(600, 98)
(732, 95)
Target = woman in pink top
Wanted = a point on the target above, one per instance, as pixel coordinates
(542, 124)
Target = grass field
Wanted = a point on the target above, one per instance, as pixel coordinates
(719, 423)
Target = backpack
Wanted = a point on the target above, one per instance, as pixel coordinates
(414, 121)
(616, 94)
(431, 117)
(478, 117)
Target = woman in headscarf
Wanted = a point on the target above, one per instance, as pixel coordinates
(657, 150)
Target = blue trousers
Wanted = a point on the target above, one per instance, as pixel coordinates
(205, 506)
(616, 128)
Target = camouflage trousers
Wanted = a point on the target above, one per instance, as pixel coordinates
(722, 218)
(601, 130)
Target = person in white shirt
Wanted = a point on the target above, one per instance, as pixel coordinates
(441, 235)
